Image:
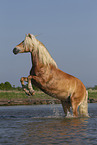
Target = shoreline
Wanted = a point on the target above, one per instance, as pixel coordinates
(28, 101)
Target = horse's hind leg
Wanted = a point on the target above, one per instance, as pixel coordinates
(74, 108)
(66, 106)
(75, 101)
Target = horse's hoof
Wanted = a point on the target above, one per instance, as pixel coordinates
(32, 92)
(25, 90)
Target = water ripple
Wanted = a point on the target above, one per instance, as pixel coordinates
(46, 124)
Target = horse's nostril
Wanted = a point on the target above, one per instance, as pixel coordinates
(15, 50)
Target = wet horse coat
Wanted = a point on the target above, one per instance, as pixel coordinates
(51, 80)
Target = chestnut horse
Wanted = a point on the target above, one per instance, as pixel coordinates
(51, 80)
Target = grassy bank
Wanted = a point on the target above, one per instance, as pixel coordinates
(21, 95)
(92, 94)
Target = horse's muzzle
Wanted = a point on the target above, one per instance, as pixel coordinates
(16, 51)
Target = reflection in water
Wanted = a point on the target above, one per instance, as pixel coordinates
(57, 131)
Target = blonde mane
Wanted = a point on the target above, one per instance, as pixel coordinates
(37, 47)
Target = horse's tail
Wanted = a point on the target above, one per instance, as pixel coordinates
(83, 107)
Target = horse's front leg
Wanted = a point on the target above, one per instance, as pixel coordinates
(22, 80)
(39, 81)
(31, 90)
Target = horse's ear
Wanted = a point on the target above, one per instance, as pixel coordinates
(29, 35)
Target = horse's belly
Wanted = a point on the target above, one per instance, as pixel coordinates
(61, 95)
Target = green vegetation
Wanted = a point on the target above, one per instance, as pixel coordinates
(92, 88)
(92, 94)
(5, 86)
(21, 95)
(9, 92)
(11, 95)
(8, 86)
(38, 95)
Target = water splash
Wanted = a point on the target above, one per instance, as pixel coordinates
(56, 112)
(69, 115)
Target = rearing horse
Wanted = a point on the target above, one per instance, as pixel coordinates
(51, 80)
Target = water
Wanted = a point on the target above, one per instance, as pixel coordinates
(46, 125)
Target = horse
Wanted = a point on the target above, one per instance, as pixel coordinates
(46, 75)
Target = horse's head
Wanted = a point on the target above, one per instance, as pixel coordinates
(26, 45)
(31, 44)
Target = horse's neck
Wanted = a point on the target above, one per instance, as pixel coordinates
(34, 64)
(34, 59)
(37, 64)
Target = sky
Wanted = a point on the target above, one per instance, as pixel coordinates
(68, 29)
